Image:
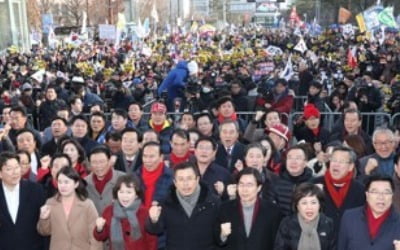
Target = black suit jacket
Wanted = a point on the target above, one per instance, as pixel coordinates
(23, 234)
(265, 225)
(121, 163)
(221, 157)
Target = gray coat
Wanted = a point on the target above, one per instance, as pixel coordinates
(101, 201)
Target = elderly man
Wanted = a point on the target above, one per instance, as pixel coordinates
(341, 190)
(375, 225)
(382, 161)
(230, 150)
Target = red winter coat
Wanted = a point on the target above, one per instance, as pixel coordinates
(146, 242)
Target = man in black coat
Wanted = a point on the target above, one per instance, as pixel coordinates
(20, 202)
(248, 223)
(129, 159)
(230, 150)
(188, 215)
(296, 172)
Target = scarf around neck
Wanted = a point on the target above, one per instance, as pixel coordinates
(309, 239)
(338, 195)
(189, 202)
(233, 117)
(119, 213)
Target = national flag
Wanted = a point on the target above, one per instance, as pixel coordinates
(351, 57)
(288, 72)
(301, 46)
(154, 14)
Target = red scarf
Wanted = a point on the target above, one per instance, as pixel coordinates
(81, 170)
(150, 179)
(176, 159)
(222, 118)
(315, 131)
(41, 173)
(338, 196)
(374, 224)
(157, 128)
(26, 175)
(101, 184)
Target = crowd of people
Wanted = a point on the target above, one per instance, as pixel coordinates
(141, 146)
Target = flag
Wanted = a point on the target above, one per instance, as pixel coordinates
(361, 23)
(386, 17)
(301, 46)
(84, 20)
(121, 23)
(288, 71)
(194, 27)
(382, 38)
(146, 27)
(344, 15)
(52, 38)
(351, 57)
(154, 14)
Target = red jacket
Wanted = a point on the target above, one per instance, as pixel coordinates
(146, 242)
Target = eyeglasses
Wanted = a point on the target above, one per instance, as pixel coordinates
(339, 161)
(385, 194)
(384, 144)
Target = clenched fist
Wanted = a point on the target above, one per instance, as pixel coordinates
(44, 212)
(226, 229)
(154, 212)
(100, 222)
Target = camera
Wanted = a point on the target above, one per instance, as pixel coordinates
(193, 86)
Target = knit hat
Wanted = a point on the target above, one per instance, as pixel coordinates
(158, 107)
(26, 86)
(281, 130)
(311, 111)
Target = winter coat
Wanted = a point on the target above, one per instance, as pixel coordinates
(354, 233)
(289, 233)
(184, 232)
(266, 219)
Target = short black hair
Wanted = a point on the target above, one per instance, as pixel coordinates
(61, 119)
(136, 103)
(73, 99)
(79, 117)
(19, 109)
(132, 130)
(187, 165)
(120, 112)
(250, 171)
(378, 177)
(223, 100)
(300, 148)
(208, 139)
(115, 136)
(255, 145)
(128, 180)
(59, 156)
(100, 150)
(5, 156)
(304, 190)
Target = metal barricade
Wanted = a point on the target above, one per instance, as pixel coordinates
(298, 103)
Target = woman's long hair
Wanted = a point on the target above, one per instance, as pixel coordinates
(80, 191)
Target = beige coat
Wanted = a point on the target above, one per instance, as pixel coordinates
(74, 233)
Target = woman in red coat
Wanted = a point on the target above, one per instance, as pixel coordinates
(123, 221)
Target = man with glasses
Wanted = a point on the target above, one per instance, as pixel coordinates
(341, 190)
(189, 213)
(382, 161)
(375, 225)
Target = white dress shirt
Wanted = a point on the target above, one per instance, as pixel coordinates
(12, 200)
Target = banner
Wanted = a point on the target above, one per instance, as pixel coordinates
(386, 17)
(301, 46)
(371, 17)
(361, 23)
(344, 15)
(273, 50)
(107, 31)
